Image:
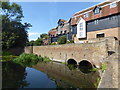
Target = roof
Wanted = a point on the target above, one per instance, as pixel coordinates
(92, 7)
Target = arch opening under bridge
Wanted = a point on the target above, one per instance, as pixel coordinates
(85, 66)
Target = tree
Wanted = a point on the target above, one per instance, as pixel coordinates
(62, 40)
(45, 36)
(14, 33)
(38, 42)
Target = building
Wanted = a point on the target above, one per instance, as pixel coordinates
(60, 30)
(52, 35)
(98, 21)
(102, 20)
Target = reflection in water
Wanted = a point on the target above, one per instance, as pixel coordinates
(46, 75)
(13, 75)
(66, 78)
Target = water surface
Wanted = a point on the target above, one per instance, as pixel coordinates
(46, 75)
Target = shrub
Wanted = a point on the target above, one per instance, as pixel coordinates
(46, 59)
(5, 53)
(71, 41)
(53, 43)
(30, 59)
(62, 40)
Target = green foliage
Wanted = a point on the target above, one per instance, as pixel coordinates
(64, 62)
(14, 33)
(103, 67)
(53, 43)
(44, 35)
(38, 42)
(97, 82)
(71, 41)
(31, 43)
(71, 66)
(46, 59)
(30, 59)
(5, 53)
(62, 40)
(94, 69)
(7, 56)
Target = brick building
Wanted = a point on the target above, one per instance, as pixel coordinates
(61, 29)
(101, 20)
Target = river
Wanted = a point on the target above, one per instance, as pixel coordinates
(46, 75)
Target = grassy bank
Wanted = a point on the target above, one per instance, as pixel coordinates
(7, 56)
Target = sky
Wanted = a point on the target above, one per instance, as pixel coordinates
(43, 16)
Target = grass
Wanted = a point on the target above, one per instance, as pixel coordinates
(64, 62)
(7, 56)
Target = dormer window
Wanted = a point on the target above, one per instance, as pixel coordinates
(86, 15)
(112, 5)
(96, 10)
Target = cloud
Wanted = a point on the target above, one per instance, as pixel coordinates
(33, 34)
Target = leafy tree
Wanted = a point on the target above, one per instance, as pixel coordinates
(14, 33)
(44, 36)
(31, 43)
(38, 42)
(62, 40)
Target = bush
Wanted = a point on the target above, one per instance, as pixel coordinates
(53, 43)
(46, 59)
(4, 53)
(62, 40)
(29, 59)
(71, 41)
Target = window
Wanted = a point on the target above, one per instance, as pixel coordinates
(112, 17)
(96, 22)
(81, 26)
(100, 35)
(97, 10)
(112, 5)
(86, 15)
(81, 34)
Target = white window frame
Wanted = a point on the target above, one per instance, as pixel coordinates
(81, 26)
(96, 21)
(97, 10)
(81, 33)
(86, 15)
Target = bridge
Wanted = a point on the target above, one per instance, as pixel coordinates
(92, 54)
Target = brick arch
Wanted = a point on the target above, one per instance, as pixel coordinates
(85, 66)
(71, 61)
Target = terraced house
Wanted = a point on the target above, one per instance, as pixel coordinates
(98, 21)
(61, 29)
